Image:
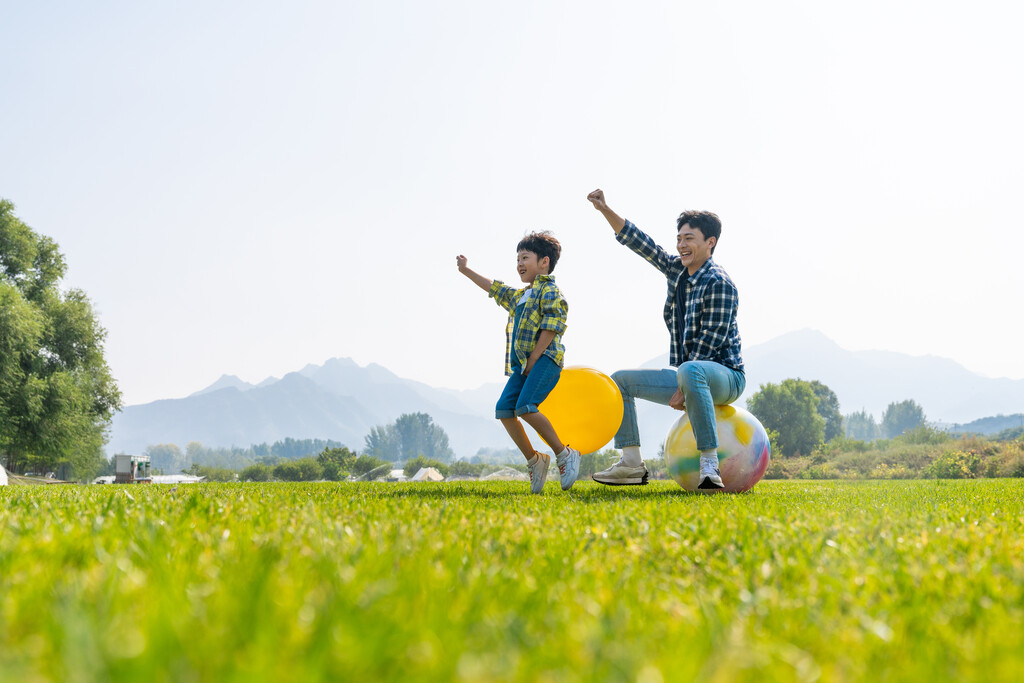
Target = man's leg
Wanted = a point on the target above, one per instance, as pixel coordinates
(651, 385)
(706, 384)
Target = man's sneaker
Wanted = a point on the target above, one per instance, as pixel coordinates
(622, 475)
(538, 471)
(569, 467)
(710, 476)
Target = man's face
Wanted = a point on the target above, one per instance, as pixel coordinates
(530, 267)
(693, 249)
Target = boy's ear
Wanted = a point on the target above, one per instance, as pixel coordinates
(545, 263)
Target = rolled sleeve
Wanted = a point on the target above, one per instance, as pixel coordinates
(554, 311)
(503, 295)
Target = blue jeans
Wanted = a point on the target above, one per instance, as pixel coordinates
(704, 384)
(523, 394)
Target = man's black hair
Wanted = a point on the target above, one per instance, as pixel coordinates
(708, 223)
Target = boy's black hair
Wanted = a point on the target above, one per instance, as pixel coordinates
(542, 244)
(709, 224)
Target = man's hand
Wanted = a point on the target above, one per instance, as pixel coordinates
(461, 261)
(678, 401)
(615, 220)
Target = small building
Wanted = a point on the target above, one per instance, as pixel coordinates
(131, 469)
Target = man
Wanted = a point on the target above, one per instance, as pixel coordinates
(700, 313)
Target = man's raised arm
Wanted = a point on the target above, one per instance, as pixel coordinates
(597, 199)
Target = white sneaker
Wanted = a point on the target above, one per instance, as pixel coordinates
(710, 477)
(623, 475)
(569, 468)
(538, 471)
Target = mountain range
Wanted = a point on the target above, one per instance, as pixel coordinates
(341, 400)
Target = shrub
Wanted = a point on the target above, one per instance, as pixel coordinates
(257, 473)
(954, 465)
(303, 469)
(886, 471)
(822, 471)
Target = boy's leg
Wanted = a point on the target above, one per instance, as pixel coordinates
(706, 384)
(656, 386)
(542, 379)
(505, 410)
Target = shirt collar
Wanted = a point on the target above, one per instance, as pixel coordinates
(701, 272)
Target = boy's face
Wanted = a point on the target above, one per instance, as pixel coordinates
(530, 267)
(693, 249)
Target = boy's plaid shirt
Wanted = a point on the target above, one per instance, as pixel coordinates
(709, 322)
(545, 310)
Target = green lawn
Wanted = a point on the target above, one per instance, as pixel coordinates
(894, 580)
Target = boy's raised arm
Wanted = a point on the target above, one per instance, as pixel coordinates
(478, 279)
(615, 220)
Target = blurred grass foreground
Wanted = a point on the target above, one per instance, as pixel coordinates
(478, 581)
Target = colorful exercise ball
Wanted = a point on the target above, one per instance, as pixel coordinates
(585, 408)
(743, 450)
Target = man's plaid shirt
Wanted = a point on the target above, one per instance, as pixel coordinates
(545, 310)
(709, 329)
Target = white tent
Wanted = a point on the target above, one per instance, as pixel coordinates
(3, 476)
(428, 474)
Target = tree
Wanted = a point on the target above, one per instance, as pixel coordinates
(862, 426)
(900, 417)
(57, 395)
(791, 409)
(411, 435)
(828, 408)
(166, 457)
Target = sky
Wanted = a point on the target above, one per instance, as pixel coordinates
(247, 188)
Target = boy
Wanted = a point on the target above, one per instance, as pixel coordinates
(533, 353)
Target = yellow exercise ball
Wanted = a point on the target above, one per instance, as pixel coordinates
(585, 408)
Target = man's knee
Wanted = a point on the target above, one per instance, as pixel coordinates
(691, 376)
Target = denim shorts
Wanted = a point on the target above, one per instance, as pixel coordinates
(523, 394)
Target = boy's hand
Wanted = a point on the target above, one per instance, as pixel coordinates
(597, 199)
(460, 261)
(678, 401)
(529, 366)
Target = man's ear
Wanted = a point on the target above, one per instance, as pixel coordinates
(712, 241)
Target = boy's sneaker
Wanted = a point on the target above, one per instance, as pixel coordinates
(538, 471)
(622, 475)
(710, 477)
(569, 467)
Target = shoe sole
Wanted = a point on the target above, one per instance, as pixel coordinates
(626, 482)
(708, 485)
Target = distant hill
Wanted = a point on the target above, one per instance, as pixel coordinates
(989, 425)
(338, 400)
(341, 400)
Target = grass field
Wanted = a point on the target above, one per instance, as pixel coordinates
(478, 581)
